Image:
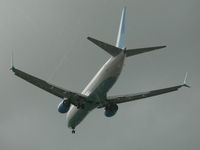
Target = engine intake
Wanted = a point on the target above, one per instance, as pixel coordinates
(63, 107)
(111, 110)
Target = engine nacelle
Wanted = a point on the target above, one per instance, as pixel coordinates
(111, 110)
(63, 107)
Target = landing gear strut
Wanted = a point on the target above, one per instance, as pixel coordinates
(81, 106)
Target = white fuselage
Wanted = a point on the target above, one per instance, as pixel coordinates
(97, 89)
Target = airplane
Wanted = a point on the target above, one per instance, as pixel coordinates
(78, 105)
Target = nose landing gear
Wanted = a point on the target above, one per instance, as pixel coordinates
(73, 131)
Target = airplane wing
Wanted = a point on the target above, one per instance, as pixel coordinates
(138, 96)
(73, 97)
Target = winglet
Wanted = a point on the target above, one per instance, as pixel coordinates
(185, 79)
(12, 62)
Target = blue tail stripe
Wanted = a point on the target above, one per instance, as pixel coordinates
(121, 33)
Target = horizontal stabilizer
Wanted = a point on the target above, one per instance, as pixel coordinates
(112, 50)
(131, 52)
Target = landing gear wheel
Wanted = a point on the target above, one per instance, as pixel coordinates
(73, 131)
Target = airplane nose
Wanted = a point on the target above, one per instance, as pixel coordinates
(75, 116)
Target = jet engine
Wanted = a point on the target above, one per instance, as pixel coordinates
(63, 107)
(111, 110)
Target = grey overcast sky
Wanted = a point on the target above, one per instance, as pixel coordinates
(49, 41)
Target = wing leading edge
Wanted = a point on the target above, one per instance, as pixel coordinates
(137, 96)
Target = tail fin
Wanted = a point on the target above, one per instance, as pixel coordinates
(120, 44)
(121, 33)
